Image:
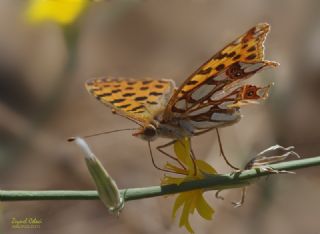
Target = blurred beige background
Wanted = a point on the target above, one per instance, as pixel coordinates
(43, 101)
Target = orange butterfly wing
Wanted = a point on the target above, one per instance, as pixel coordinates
(224, 109)
(236, 62)
(138, 100)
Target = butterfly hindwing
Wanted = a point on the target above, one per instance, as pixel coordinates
(224, 110)
(139, 100)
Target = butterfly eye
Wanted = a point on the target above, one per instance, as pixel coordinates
(150, 131)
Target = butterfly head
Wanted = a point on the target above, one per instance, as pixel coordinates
(148, 132)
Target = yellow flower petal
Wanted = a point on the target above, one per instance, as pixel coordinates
(203, 208)
(180, 200)
(175, 168)
(182, 150)
(184, 220)
(205, 167)
(193, 197)
(191, 200)
(188, 227)
(171, 180)
(60, 11)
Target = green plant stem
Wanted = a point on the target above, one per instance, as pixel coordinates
(214, 182)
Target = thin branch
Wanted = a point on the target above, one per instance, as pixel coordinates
(216, 182)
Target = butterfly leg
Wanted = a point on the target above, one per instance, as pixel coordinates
(234, 204)
(160, 149)
(193, 157)
(155, 165)
(222, 152)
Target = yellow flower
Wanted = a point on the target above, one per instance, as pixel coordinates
(61, 11)
(194, 170)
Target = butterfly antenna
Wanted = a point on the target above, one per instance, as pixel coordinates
(127, 117)
(102, 133)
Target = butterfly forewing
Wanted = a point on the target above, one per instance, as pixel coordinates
(236, 62)
(139, 100)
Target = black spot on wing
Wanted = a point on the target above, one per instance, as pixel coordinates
(119, 100)
(235, 71)
(137, 108)
(146, 82)
(99, 96)
(233, 53)
(192, 82)
(116, 91)
(155, 93)
(251, 49)
(144, 88)
(128, 94)
(141, 98)
(251, 56)
(159, 86)
(205, 71)
(220, 56)
(220, 67)
(236, 57)
(124, 106)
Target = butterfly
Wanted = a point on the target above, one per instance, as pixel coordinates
(210, 98)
